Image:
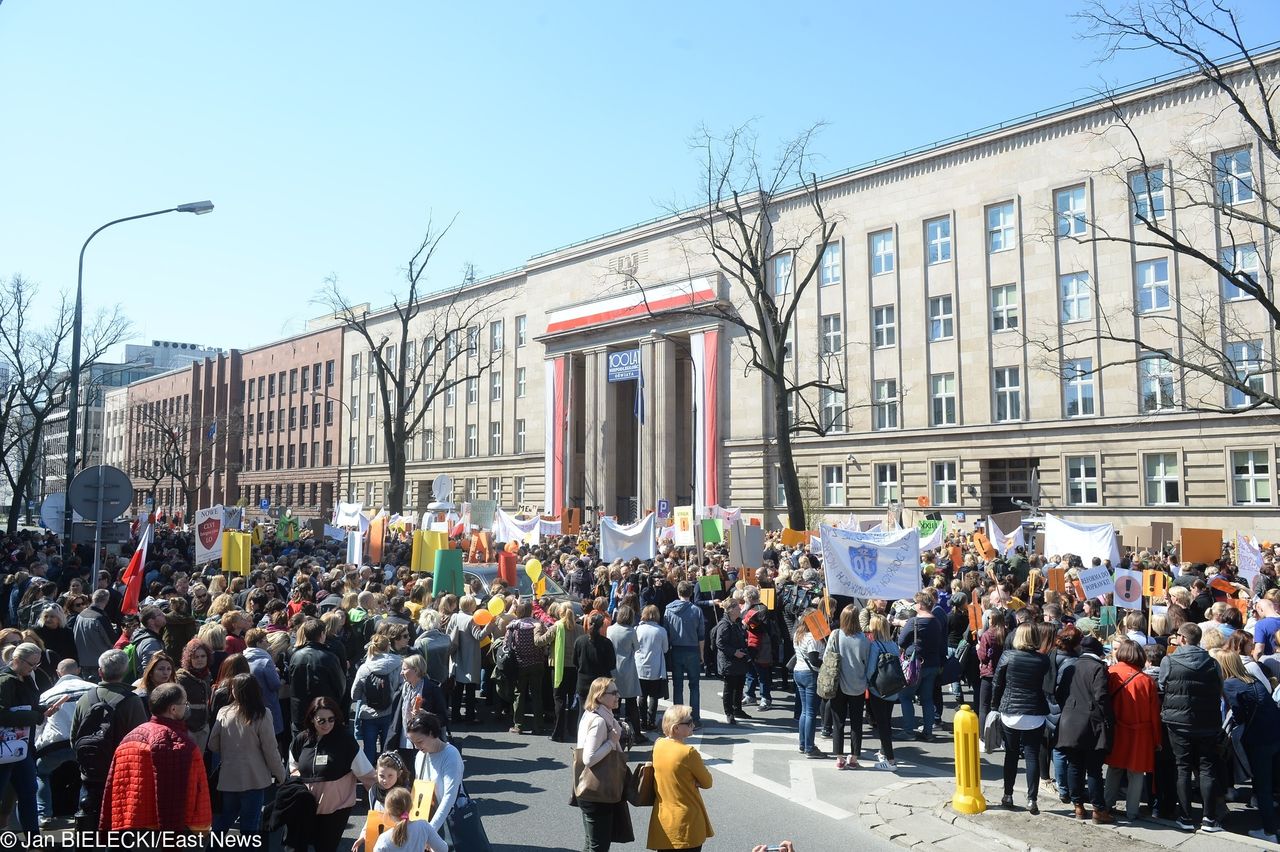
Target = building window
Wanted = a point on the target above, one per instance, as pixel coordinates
(1082, 480)
(328, 412)
(328, 372)
(782, 275)
(450, 445)
(372, 404)
(1001, 234)
(495, 488)
(832, 405)
(1153, 285)
(884, 321)
(451, 346)
(1242, 260)
(1008, 388)
(522, 330)
(779, 488)
(495, 437)
(302, 416)
(249, 389)
(428, 444)
(832, 485)
(370, 450)
(450, 395)
(885, 411)
(355, 367)
(1147, 189)
(938, 237)
(271, 457)
(1004, 307)
(352, 457)
(886, 484)
(882, 252)
(495, 386)
(830, 272)
(293, 380)
(469, 489)
(271, 385)
(293, 417)
(520, 436)
(519, 490)
(946, 488)
(1069, 206)
(271, 421)
(941, 318)
(260, 391)
(328, 453)
(302, 455)
(1250, 477)
(1161, 472)
(473, 390)
(1246, 358)
(942, 388)
(496, 336)
(1234, 175)
(473, 440)
(832, 334)
(473, 340)
(1077, 387)
(1155, 384)
(521, 384)
(1077, 297)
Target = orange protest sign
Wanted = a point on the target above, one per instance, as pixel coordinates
(975, 612)
(957, 558)
(983, 544)
(817, 624)
(1080, 595)
(1222, 584)
(767, 598)
(1154, 583)
(1240, 604)
(375, 823)
(792, 538)
(1058, 580)
(1201, 545)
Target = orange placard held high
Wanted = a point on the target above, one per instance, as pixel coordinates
(1222, 584)
(1241, 605)
(817, 624)
(984, 546)
(1154, 583)
(957, 558)
(1200, 545)
(793, 538)
(1058, 580)
(975, 612)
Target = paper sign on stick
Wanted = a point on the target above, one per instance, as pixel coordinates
(1097, 581)
(1058, 580)
(1241, 605)
(975, 612)
(984, 546)
(710, 583)
(1154, 583)
(1201, 545)
(1128, 589)
(767, 598)
(424, 793)
(817, 624)
(1222, 584)
(793, 538)
(1107, 617)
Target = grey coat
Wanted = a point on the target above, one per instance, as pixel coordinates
(464, 642)
(94, 636)
(250, 757)
(625, 646)
(853, 651)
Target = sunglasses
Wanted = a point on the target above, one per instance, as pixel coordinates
(611, 692)
(325, 720)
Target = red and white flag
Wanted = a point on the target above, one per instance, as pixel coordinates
(134, 573)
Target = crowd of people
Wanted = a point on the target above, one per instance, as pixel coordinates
(279, 700)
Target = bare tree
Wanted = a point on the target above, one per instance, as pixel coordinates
(420, 348)
(1206, 201)
(765, 228)
(38, 358)
(179, 447)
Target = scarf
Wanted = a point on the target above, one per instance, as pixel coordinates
(610, 722)
(559, 654)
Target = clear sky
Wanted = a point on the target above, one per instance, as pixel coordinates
(327, 133)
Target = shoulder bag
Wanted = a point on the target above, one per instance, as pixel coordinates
(911, 656)
(829, 673)
(465, 829)
(15, 742)
(887, 679)
(641, 787)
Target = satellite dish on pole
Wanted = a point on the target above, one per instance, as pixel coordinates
(442, 491)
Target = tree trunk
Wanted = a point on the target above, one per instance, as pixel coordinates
(786, 461)
(25, 474)
(395, 487)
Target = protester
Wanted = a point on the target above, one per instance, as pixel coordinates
(522, 640)
(686, 633)
(923, 637)
(730, 640)
(1085, 729)
(244, 735)
(440, 763)
(1136, 705)
(1255, 711)
(883, 652)
(375, 689)
(52, 744)
(599, 734)
(327, 758)
(1191, 686)
(679, 819)
(196, 679)
(852, 649)
(1018, 694)
(314, 672)
(593, 656)
(652, 645)
(563, 639)
(408, 835)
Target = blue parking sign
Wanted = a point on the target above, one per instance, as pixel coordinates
(664, 508)
(264, 504)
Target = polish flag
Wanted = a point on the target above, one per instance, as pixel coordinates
(134, 573)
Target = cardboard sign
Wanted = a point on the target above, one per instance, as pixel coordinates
(710, 583)
(1241, 605)
(482, 513)
(975, 612)
(793, 538)
(572, 521)
(1222, 584)
(984, 546)
(448, 573)
(1161, 534)
(683, 534)
(817, 624)
(1080, 595)
(1097, 581)
(712, 530)
(1107, 617)
(1154, 583)
(375, 823)
(1058, 580)
(768, 598)
(1129, 589)
(424, 793)
(1136, 536)
(957, 558)
(1200, 545)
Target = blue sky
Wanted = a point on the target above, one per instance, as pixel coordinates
(327, 133)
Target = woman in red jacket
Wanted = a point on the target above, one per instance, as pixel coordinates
(1136, 705)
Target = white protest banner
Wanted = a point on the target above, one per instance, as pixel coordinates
(507, 527)
(632, 542)
(1128, 589)
(871, 565)
(335, 533)
(548, 528)
(1248, 557)
(933, 534)
(347, 514)
(1005, 541)
(355, 549)
(208, 527)
(1083, 540)
(1098, 582)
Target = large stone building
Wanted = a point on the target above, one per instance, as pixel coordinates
(949, 270)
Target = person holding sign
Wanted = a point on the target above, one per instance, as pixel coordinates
(437, 762)
(809, 651)
(407, 835)
(328, 759)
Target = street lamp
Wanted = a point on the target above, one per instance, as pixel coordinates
(73, 393)
(350, 416)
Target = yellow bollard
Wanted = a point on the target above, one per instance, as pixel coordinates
(968, 798)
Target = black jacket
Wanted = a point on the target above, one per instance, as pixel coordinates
(593, 657)
(1087, 720)
(1191, 683)
(314, 671)
(1019, 683)
(730, 637)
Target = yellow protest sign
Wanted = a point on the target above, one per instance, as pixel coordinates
(236, 552)
(1154, 583)
(424, 793)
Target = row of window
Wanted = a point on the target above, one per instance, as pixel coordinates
(284, 457)
(1233, 179)
(304, 379)
(1249, 472)
(452, 343)
(427, 443)
(472, 390)
(270, 421)
(498, 490)
(282, 494)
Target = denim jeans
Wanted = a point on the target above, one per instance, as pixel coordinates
(757, 673)
(245, 805)
(807, 691)
(1061, 772)
(924, 688)
(371, 732)
(45, 767)
(23, 777)
(1025, 744)
(1264, 755)
(685, 663)
(1084, 769)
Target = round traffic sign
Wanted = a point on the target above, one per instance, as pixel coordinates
(100, 493)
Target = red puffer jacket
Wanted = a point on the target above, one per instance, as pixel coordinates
(157, 781)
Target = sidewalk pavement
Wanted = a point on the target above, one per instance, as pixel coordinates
(916, 813)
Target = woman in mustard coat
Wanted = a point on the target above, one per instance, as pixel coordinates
(679, 819)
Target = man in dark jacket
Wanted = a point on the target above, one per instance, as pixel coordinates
(128, 713)
(146, 639)
(730, 640)
(314, 671)
(93, 631)
(1191, 684)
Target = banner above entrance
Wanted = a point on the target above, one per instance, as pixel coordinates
(624, 366)
(633, 303)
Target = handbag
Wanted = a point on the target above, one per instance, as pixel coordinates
(887, 679)
(911, 657)
(951, 671)
(465, 829)
(13, 743)
(604, 782)
(829, 673)
(641, 786)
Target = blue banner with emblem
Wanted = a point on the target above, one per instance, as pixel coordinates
(883, 565)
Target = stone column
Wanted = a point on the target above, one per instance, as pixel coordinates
(596, 422)
(665, 421)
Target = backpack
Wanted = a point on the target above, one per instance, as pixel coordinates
(131, 651)
(97, 740)
(888, 679)
(377, 692)
(505, 662)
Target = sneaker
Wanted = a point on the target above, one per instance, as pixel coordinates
(886, 765)
(816, 753)
(729, 720)
(764, 705)
(982, 747)
(826, 735)
(1212, 826)
(1261, 834)
(1186, 824)
(1032, 807)
(840, 762)
(515, 729)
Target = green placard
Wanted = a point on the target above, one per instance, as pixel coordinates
(1107, 618)
(712, 531)
(710, 583)
(448, 574)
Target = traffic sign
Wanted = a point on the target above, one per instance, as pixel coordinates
(264, 504)
(100, 493)
(664, 508)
